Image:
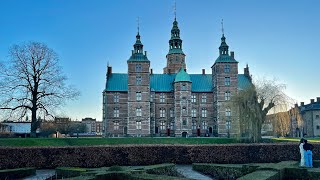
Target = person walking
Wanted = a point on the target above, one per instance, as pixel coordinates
(308, 153)
(302, 151)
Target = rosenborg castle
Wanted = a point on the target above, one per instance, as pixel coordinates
(140, 103)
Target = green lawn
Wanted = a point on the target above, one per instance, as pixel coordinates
(108, 141)
(311, 140)
(116, 141)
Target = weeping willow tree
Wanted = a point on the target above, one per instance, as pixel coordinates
(255, 102)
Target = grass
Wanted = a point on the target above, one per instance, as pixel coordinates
(19, 142)
(311, 140)
(25, 142)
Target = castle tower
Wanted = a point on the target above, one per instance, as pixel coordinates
(175, 56)
(182, 104)
(138, 91)
(225, 85)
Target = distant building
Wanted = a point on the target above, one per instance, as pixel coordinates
(175, 103)
(93, 126)
(307, 123)
(16, 128)
(62, 120)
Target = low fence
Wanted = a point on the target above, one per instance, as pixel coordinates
(98, 156)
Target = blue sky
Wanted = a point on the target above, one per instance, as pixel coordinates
(278, 39)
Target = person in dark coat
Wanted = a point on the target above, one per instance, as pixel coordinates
(308, 153)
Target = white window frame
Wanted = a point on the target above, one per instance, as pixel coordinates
(116, 98)
(194, 125)
(227, 96)
(138, 68)
(204, 98)
(194, 113)
(162, 112)
(227, 81)
(228, 112)
(138, 125)
(204, 113)
(138, 112)
(138, 96)
(138, 80)
(171, 113)
(204, 125)
(162, 125)
(227, 68)
(193, 98)
(162, 98)
(116, 125)
(116, 112)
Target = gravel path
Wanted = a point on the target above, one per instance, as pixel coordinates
(188, 172)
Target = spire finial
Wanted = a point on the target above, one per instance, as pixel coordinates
(138, 23)
(222, 27)
(175, 10)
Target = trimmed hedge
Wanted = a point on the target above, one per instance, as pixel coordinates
(17, 173)
(262, 175)
(136, 155)
(67, 172)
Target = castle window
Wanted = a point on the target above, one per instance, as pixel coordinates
(227, 68)
(138, 80)
(204, 98)
(204, 125)
(171, 113)
(184, 87)
(184, 122)
(138, 112)
(138, 124)
(227, 96)
(172, 125)
(116, 126)
(317, 116)
(116, 112)
(116, 98)
(162, 112)
(162, 125)
(184, 110)
(138, 68)
(193, 113)
(151, 97)
(228, 112)
(138, 96)
(193, 98)
(227, 81)
(194, 125)
(204, 112)
(318, 127)
(162, 98)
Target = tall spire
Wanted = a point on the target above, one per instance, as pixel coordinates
(175, 43)
(224, 48)
(137, 53)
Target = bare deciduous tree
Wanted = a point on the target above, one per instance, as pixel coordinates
(32, 81)
(254, 104)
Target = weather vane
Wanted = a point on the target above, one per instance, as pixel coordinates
(138, 22)
(175, 10)
(222, 27)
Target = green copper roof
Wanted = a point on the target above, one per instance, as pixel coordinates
(243, 82)
(182, 76)
(138, 57)
(224, 58)
(164, 82)
(175, 51)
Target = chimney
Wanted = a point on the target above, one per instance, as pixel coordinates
(185, 70)
(318, 99)
(132, 52)
(145, 53)
(295, 105)
(203, 71)
(151, 71)
(232, 54)
(109, 70)
(311, 101)
(301, 103)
